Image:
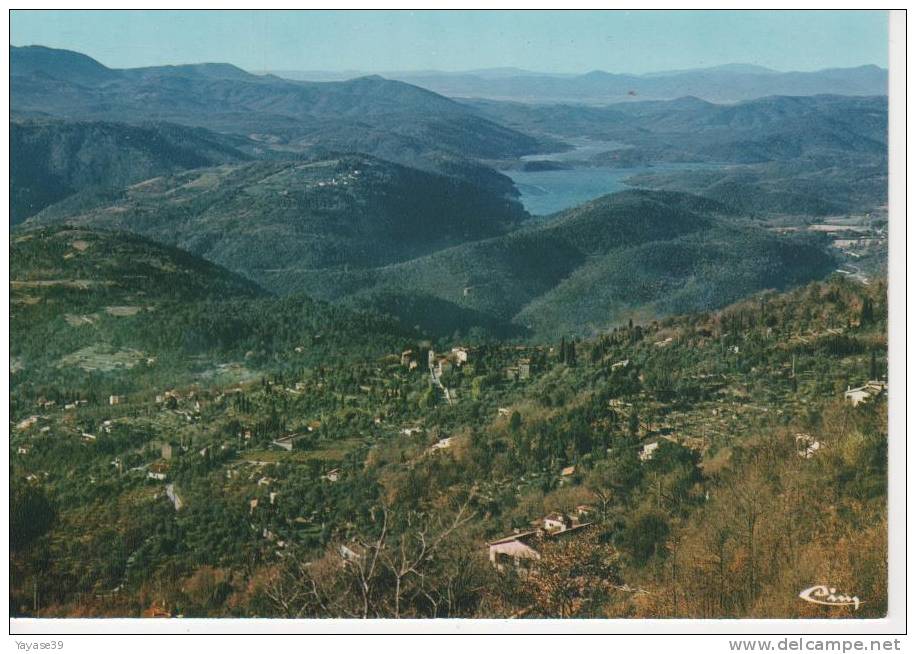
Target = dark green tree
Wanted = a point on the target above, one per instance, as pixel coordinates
(32, 514)
(644, 536)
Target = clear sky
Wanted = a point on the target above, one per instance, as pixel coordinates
(377, 41)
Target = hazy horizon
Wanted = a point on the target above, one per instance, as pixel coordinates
(505, 70)
(566, 43)
(528, 71)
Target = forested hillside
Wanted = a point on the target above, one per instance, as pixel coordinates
(628, 255)
(686, 445)
(265, 217)
(94, 313)
(689, 129)
(379, 236)
(54, 159)
(440, 239)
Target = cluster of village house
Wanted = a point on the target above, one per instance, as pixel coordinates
(520, 550)
(440, 363)
(520, 371)
(872, 390)
(343, 180)
(517, 551)
(805, 444)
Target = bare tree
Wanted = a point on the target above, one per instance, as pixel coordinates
(416, 565)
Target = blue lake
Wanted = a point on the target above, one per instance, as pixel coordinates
(548, 191)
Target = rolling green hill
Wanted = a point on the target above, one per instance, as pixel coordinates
(52, 160)
(95, 311)
(820, 187)
(260, 218)
(633, 254)
(219, 341)
(412, 245)
(265, 116)
(699, 271)
(116, 265)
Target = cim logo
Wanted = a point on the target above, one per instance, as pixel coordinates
(829, 597)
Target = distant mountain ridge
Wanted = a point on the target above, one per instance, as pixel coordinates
(787, 155)
(727, 83)
(692, 129)
(371, 112)
(392, 120)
